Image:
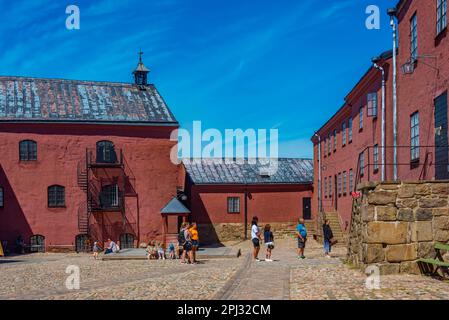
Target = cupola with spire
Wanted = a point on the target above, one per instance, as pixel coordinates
(141, 72)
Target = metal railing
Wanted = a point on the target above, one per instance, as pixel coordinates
(424, 161)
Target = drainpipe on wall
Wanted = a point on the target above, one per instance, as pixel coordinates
(375, 60)
(246, 212)
(320, 204)
(392, 13)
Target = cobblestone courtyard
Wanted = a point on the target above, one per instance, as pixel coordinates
(42, 276)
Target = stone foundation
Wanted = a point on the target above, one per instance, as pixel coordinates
(222, 232)
(394, 224)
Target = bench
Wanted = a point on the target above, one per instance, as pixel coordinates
(432, 266)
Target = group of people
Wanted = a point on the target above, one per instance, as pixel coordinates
(256, 237)
(156, 250)
(301, 233)
(112, 247)
(188, 241)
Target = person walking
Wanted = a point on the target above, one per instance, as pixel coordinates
(255, 238)
(302, 238)
(327, 236)
(269, 242)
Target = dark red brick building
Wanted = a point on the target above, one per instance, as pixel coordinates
(224, 196)
(346, 152)
(83, 159)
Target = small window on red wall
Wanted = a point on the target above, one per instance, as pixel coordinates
(233, 205)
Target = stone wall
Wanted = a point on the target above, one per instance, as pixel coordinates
(394, 224)
(223, 232)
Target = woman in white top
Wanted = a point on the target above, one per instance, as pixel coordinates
(255, 238)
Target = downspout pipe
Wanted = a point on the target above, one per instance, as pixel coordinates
(246, 212)
(382, 70)
(392, 13)
(320, 204)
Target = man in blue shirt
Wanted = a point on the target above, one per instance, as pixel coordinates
(302, 238)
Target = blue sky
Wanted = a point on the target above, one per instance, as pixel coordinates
(283, 64)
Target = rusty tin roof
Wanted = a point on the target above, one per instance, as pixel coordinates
(59, 100)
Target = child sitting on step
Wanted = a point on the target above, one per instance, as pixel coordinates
(161, 251)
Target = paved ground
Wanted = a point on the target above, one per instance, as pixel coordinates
(42, 276)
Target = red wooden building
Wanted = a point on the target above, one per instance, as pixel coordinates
(84, 159)
(225, 195)
(349, 148)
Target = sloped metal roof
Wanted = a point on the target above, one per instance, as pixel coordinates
(37, 99)
(175, 207)
(252, 171)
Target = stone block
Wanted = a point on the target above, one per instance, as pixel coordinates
(440, 235)
(441, 222)
(373, 253)
(367, 213)
(382, 197)
(410, 267)
(421, 231)
(440, 188)
(388, 268)
(426, 250)
(432, 202)
(402, 252)
(423, 214)
(406, 214)
(387, 232)
(440, 211)
(407, 203)
(386, 213)
(422, 189)
(406, 191)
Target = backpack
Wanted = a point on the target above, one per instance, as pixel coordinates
(181, 237)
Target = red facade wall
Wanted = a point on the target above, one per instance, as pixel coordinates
(417, 91)
(61, 147)
(270, 203)
(345, 157)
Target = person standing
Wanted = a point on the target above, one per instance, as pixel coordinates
(255, 238)
(96, 249)
(195, 240)
(327, 236)
(188, 243)
(182, 242)
(269, 242)
(302, 238)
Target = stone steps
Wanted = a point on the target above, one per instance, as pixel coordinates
(335, 225)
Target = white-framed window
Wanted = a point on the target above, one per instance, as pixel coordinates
(372, 104)
(233, 205)
(350, 129)
(351, 180)
(362, 164)
(335, 140)
(414, 37)
(376, 158)
(343, 134)
(330, 187)
(344, 182)
(339, 184)
(325, 187)
(361, 118)
(414, 136)
(441, 15)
